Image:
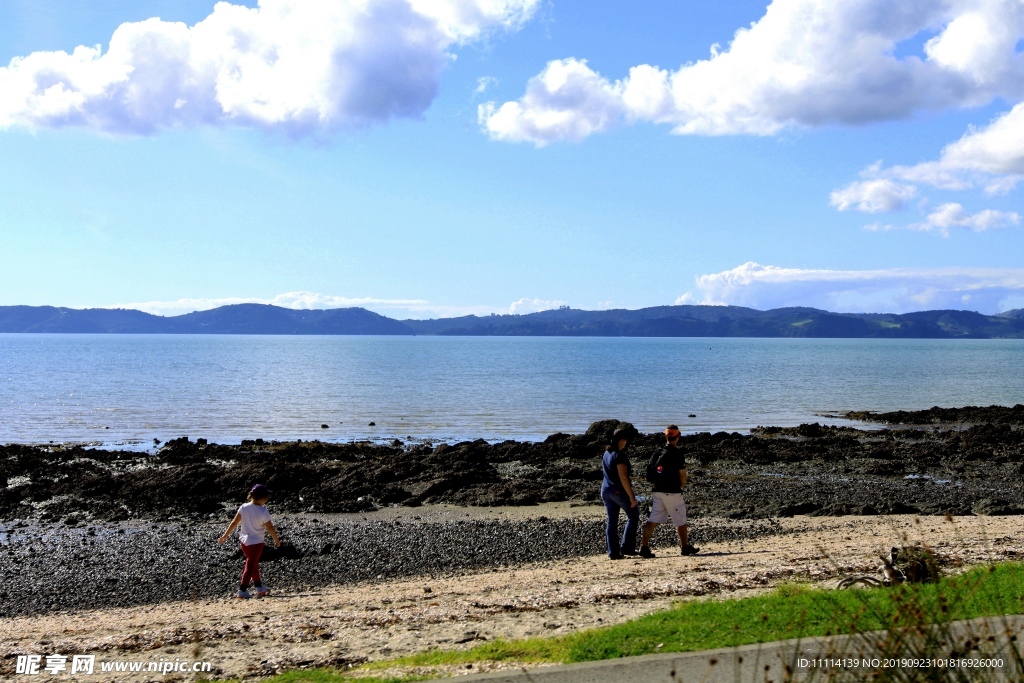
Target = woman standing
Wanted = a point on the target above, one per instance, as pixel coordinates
(617, 493)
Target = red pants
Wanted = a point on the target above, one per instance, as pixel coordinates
(251, 572)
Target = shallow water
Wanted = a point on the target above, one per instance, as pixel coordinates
(136, 388)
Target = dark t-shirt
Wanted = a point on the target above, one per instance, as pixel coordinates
(610, 464)
(672, 461)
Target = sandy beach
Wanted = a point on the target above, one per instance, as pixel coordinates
(350, 624)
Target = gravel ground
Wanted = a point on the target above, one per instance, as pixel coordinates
(50, 567)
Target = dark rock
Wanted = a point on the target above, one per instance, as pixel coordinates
(805, 508)
(602, 430)
(996, 506)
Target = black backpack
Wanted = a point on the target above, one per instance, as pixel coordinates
(655, 471)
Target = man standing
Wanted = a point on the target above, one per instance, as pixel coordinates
(667, 472)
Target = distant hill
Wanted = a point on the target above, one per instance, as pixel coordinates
(264, 319)
(658, 321)
(235, 319)
(729, 321)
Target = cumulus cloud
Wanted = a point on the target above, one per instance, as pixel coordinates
(895, 290)
(805, 62)
(991, 157)
(566, 101)
(524, 306)
(297, 65)
(873, 196)
(997, 149)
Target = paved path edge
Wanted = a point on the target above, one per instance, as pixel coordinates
(762, 662)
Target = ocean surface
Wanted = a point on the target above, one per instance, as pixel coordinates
(132, 389)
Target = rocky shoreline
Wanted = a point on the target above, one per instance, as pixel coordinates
(96, 528)
(939, 461)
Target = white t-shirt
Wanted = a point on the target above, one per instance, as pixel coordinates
(250, 531)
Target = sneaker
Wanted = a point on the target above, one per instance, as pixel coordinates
(690, 550)
(261, 591)
(243, 595)
(615, 557)
(631, 553)
(645, 551)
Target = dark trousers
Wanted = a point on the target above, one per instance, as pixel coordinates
(614, 500)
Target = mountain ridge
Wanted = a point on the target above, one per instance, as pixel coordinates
(655, 321)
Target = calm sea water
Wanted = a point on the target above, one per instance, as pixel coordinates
(134, 388)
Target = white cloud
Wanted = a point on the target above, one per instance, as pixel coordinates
(686, 299)
(1002, 185)
(873, 196)
(952, 215)
(896, 290)
(567, 101)
(524, 306)
(997, 149)
(297, 65)
(805, 62)
(991, 157)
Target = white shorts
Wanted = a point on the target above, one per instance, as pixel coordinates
(668, 505)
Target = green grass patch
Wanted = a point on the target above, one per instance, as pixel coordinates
(790, 611)
(799, 612)
(332, 676)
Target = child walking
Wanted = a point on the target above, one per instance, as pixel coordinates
(253, 518)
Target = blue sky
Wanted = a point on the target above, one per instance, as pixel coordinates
(429, 158)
